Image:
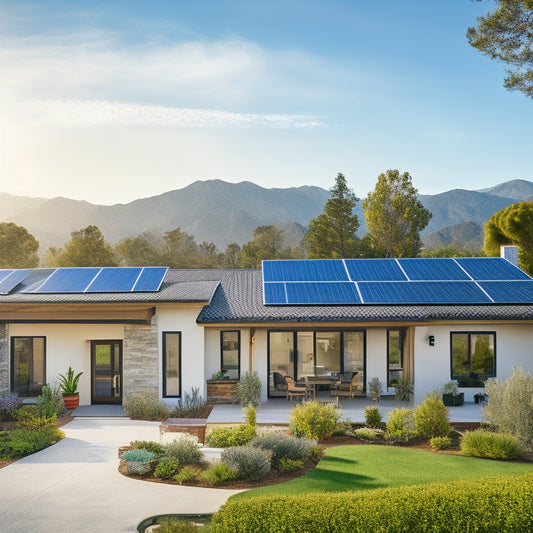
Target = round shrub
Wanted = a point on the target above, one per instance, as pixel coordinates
(481, 443)
(431, 418)
(282, 445)
(248, 462)
(166, 468)
(186, 474)
(138, 462)
(314, 420)
(372, 417)
(440, 443)
(148, 445)
(185, 450)
(367, 434)
(145, 405)
(232, 436)
(138, 455)
(286, 465)
(218, 474)
(401, 425)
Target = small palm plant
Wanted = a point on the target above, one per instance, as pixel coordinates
(69, 382)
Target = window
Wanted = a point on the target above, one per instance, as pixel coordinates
(394, 356)
(230, 353)
(473, 354)
(171, 364)
(28, 365)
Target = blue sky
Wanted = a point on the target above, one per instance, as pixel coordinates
(110, 101)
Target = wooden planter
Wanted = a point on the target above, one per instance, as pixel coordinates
(453, 401)
(71, 401)
(221, 390)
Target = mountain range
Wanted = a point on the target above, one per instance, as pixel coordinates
(222, 212)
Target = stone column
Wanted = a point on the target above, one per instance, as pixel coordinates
(4, 358)
(140, 361)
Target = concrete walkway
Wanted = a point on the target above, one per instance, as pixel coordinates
(74, 486)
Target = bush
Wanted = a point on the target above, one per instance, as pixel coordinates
(440, 443)
(314, 420)
(287, 465)
(50, 402)
(138, 462)
(145, 406)
(23, 441)
(176, 525)
(232, 436)
(248, 462)
(218, 474)
(503, 503)
(185, 450)
(373, 417)
(148, 445)
(401, 425)
(510, 406)
(192, 405)
(186, 474)
(9, 402)
(431, 418)
(248, 390)
(251, 416)
(367, 434)
(283, 446)
(142, 456)
(481, 443)
(166, 468)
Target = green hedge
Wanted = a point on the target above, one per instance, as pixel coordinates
(503, 503)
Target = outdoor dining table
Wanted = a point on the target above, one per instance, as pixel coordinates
(313, 381)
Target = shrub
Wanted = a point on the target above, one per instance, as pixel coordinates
(176, 525)
(248, 390)
(431, 418)
(193, 405)
(248, 462)
(145, 405)
(367, 434)
(251, 416)
(343, 427)
(138, 462)
(481, 443)
(314, 420)
(283, 446)
(287, 465)
(27, 418)
(186, 474)
(166, 468)
(9, 402)
(185, 450)
(50, 402)
(232, 436)
(403, 389)
(401, 425)
(218, 474)
(503, 503)
(148, 445)
(138, 456)
(372, 417)
(23, 441)
(440, 443)
(510, 406)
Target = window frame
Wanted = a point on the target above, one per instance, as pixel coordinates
(222, 366)
(469, 344)
(12, 360)
(164, 377)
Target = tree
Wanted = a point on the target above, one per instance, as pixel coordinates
(180, 249)
(506, 35)
(143, 250)
(232, 256)
(394, 215)
(332, 234)
(18, 247)
(87, 247)
(266, 245)
(512, 226)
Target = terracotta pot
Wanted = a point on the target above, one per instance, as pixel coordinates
(71, 401)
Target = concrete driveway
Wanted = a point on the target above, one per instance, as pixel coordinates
(74, 486)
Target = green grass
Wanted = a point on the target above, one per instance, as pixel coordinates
(346, 468)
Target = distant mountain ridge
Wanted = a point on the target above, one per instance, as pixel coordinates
(222, 212)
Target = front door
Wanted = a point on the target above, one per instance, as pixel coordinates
(106, 371)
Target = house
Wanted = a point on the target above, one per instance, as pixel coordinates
(132, 329)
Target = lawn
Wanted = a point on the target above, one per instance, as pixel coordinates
(345, 468)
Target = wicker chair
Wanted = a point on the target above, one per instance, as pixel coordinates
(293, 389)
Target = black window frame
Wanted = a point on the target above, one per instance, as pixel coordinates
(12, 362)
(402, 354)
(164, 334)
(222, 366)
(469, 345)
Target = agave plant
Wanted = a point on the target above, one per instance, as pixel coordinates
(69, 382)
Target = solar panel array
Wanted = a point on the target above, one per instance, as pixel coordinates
(83, 280)
(473, 280)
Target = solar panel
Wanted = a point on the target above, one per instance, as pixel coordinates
(422, 292)
(374, 270)
(426, 269)
(114, 279)
(4, 273)
(274, 293)
(304, 270)
(322, 293)
(516, 292)
(150, 279)
(491, 268)
(69, 280)
(9, 282)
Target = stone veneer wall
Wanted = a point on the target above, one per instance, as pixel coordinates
(140, 361)
(4, 358)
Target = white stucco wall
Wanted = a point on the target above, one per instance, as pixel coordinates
(376, 356)
(69, 345)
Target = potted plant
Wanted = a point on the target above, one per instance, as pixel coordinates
(451, 395)
(221, 374)
(69, 387)
(376, 388)
(403, 389)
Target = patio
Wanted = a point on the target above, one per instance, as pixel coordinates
(276, 410)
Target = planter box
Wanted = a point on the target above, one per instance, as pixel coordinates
(221, 390)
(453, 401)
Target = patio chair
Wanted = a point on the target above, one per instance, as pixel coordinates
(293, 389)
(347, 390)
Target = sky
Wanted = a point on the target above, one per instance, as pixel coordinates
(113, 100)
